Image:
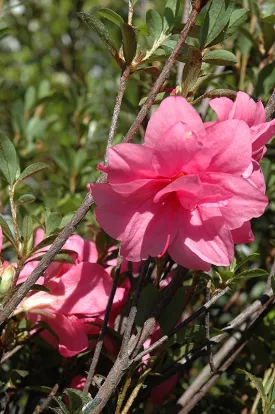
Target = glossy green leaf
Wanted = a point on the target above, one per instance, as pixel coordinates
(258, 384)
(8, 159)
(154, 23)
(236, 21)
(110, 15)
(77, 399)
(249, 274)
(101, 30)
(27, 228)
(191, 70)
(31, 170)
(6, 230)
(216, 19)
(25, 199)
(170, 12)
(40, 288)
(269, 19)
(220, 57)
(44, 243)
(52, 223)
(129, 42)
(91, 405)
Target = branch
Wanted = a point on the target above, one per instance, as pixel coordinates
(222, 360)
(47, 258)
(197, 6)
(270, 106)
(45, 404)
(99, 344)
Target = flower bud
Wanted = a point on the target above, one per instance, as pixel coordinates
(6, 280)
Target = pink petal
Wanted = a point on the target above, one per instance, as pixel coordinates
(261, 134)
(171, 111)
(114, 211)
(246, 109)
(180, 151)
(187, 187)
(205, 232)
(85, 289)
(256, 178)
(72, 338)
(182, 255)
(222, 107)
(230, 144)
(214, 196)
(149, 231)
(247, 201)
(243, 234)
(129, 162)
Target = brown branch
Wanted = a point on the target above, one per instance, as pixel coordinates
(270, 106)
(99, 344)
(222, 360)
(42, 407)
(197, 6)
(122, 87)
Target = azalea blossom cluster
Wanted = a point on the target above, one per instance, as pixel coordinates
(192, 188)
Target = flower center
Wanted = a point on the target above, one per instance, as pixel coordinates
(175, 177)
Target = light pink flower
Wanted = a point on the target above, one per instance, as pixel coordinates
(183, 191)
(78, 295)
(246, 109)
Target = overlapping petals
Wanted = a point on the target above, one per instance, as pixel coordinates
(190, 189)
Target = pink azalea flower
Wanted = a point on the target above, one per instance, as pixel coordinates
(246, 109)
(160, 393)
(78, 296)
(183, 191)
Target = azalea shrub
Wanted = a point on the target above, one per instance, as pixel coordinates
(137, 207)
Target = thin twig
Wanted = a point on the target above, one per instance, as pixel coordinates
(122, 87)
(42, 407)
(223, 359)
(99, 344)
(197, 6)
(184, 323)
(185, 15)
(130, 12)
(207, 328)
(270, 106)
(133, 310)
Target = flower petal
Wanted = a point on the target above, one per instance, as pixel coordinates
(246, 109)
(230, 144)
(171, 111)
(243, 234)
(222, 107)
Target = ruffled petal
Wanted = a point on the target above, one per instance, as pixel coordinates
(222, 107)
(243, 234)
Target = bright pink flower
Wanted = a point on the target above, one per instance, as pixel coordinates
(183, 191)
(78, 295)
(160, 393)
(246, 109)
(78, 382)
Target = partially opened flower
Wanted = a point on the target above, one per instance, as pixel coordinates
(183, 191)
(246, 109)
(78, 295)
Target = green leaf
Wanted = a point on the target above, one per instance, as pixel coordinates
(52, 223)
(160, 96)
(62, 407)
(257, 382)
(41, 288)
(59, 257)
(8, 159)
(44, 243)
(220, 57)
(25, 199)
(129, 42)
(249, 274)
(6, 231)
(170, 12)
(172, 312)
(251, 258)
(146, 304)
(237, 19)
(30, 97)
(91, 405)
(77, 399)
(154, 23)
(27, 228)
(216, 19)
(111, 15)
(215, 93)
(269, 19)
(191, 70)
(101, 30)
(32, 169)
